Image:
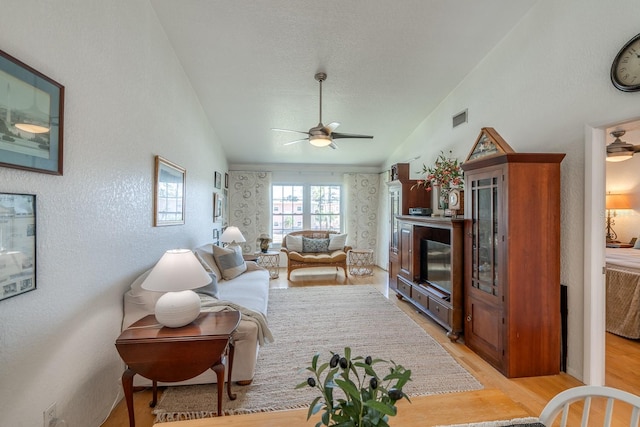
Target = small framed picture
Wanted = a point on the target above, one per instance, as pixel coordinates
(17, 244)
(169, 193)
(226, 180)
(218, 179)
(216, 207)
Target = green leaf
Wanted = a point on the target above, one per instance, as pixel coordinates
(349, 387)
(322, 368)
(379, 406)
(314, 361)
(302, 384)
(314, 408)
(326, 417)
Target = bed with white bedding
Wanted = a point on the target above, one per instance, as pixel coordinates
(623, 292)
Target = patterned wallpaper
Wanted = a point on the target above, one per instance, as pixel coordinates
(362, 192)
(249, 203)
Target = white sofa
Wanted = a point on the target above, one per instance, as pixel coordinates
(250, 290)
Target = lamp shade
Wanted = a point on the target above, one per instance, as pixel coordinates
(320, 140)
(232, 234)
(177, 270)
(618, 201)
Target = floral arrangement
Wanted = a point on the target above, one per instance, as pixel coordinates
(446, 172)
(368, 400)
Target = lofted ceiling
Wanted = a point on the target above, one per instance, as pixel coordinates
(389, 64)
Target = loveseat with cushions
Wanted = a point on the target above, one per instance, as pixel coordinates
(236, 285)
(315, 248)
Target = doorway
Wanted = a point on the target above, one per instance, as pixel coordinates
(594, 250)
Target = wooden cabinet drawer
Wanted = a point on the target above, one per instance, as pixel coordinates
(404, 287)
(420, 297)
(440, 310)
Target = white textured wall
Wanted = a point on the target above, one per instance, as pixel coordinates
(539, 88)
(127, 99)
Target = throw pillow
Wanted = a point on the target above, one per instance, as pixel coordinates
(211, 289)
(337, 241)
(315, 245)
(229, 261)
(294, 243)
(205, 256)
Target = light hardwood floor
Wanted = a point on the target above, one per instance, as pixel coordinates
(501, 398)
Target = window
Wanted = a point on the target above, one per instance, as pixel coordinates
(302, 207)
(285, 215)
(325, 207)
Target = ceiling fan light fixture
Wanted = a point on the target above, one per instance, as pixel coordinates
(618, 150)
(320, 140)
(620, 156)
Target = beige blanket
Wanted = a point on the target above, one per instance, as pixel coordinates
(623, 302)
(213, 305)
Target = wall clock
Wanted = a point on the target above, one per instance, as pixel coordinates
(625, 70)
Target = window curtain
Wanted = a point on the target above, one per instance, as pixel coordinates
(362, 192)
(249, 203)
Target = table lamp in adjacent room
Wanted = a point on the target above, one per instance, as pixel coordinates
(177, 273)
(615, 202)
(232, 236)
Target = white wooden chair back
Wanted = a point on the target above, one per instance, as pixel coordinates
(561, 402)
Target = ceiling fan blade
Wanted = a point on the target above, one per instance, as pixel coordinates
(296, 141)
(336, 135)
(332, 126)
(289, 130)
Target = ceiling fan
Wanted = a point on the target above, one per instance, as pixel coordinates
(619, 150)
(321, 135)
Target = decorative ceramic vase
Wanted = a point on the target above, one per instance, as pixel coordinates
(443, 199)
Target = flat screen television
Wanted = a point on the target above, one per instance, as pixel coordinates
(435, 260)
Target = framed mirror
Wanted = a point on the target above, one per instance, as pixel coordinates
(169, 193)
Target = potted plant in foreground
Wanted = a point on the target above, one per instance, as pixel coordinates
(366, 399)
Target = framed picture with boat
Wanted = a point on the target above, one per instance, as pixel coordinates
(31, 116)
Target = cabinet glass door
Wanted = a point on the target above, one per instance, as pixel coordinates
(484, 271)
(394, 197)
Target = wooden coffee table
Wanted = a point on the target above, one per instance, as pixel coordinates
(177, 354)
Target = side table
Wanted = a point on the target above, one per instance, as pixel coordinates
(177, 354)
(360, 262)
(271, 261)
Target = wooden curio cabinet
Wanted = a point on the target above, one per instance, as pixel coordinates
(512, 257)
(401, 198)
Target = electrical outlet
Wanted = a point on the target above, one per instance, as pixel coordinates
(50, 414)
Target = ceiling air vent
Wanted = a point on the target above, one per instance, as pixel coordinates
(459, 118)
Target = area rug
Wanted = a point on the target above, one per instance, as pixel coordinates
(321, 319)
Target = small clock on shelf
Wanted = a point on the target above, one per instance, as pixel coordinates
(456, 202)
(625, 70)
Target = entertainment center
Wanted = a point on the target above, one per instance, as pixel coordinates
(430, 276)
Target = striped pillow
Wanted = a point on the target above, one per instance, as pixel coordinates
(229, 261)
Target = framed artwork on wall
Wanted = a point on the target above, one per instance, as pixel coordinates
(169, 193)
(216, 211)
(31, 117)
(218, 179)
(17, 244)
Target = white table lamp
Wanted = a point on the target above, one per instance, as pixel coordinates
(232, 236)
(177, 272)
